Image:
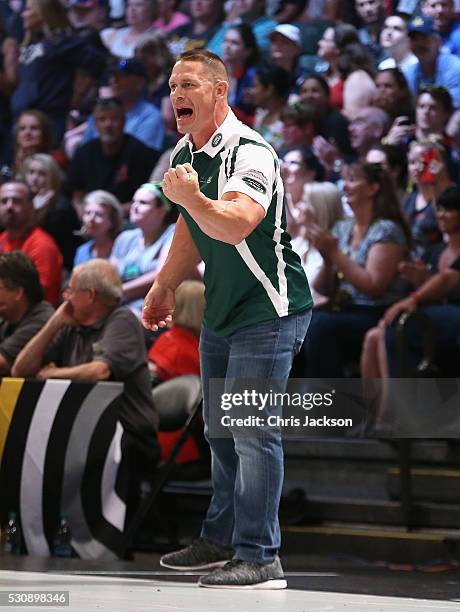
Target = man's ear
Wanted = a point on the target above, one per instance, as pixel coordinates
(221, 89)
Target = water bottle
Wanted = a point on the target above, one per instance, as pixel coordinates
(12, 536)
(62, 546)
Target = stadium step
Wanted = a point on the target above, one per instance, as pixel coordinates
(373, 543)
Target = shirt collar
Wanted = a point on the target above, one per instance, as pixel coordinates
(220, 137)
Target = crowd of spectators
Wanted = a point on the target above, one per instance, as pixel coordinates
(360, 98)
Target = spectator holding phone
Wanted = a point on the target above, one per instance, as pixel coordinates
(427, 164)
(433, 108)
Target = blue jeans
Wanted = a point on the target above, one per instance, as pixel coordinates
(247, 471)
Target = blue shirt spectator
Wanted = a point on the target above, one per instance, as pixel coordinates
(451, 39)
(143, 121)
(447, 75)
(434, 66)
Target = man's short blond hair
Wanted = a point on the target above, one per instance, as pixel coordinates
(213, 63)
(103, 277)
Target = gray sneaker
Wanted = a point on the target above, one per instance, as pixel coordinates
(201, 554)
(238, 574)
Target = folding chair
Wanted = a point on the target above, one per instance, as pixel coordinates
(179, 403)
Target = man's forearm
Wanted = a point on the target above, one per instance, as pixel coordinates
(29, 360)
(182, 259)
(94, 371)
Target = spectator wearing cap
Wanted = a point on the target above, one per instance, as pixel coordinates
(139, 253)
(371, 14)
(115, 161)
(23, 311)
(285, 46)
(434, 66)
(252, 12)
(442, 12)
(144, 121)
(121, 42)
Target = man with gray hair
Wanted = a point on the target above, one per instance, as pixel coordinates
(91, 337)
(367, 128)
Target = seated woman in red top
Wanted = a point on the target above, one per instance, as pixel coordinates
(175, 353)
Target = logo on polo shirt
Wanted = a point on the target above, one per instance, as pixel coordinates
(216, 140)
(257, 180)
(254, 184)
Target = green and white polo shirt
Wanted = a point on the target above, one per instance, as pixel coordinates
(261, 278)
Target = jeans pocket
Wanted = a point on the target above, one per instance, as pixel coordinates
(302, 324)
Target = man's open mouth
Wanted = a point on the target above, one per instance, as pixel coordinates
(184, 112)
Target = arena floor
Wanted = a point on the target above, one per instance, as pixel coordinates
(313, 586)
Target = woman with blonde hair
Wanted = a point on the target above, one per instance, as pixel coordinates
(53, 211)
(49, 58)
(175, 352)
(321, 204)
(101, 224)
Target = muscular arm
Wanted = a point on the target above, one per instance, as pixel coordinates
(230, 219)
(181, 263)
